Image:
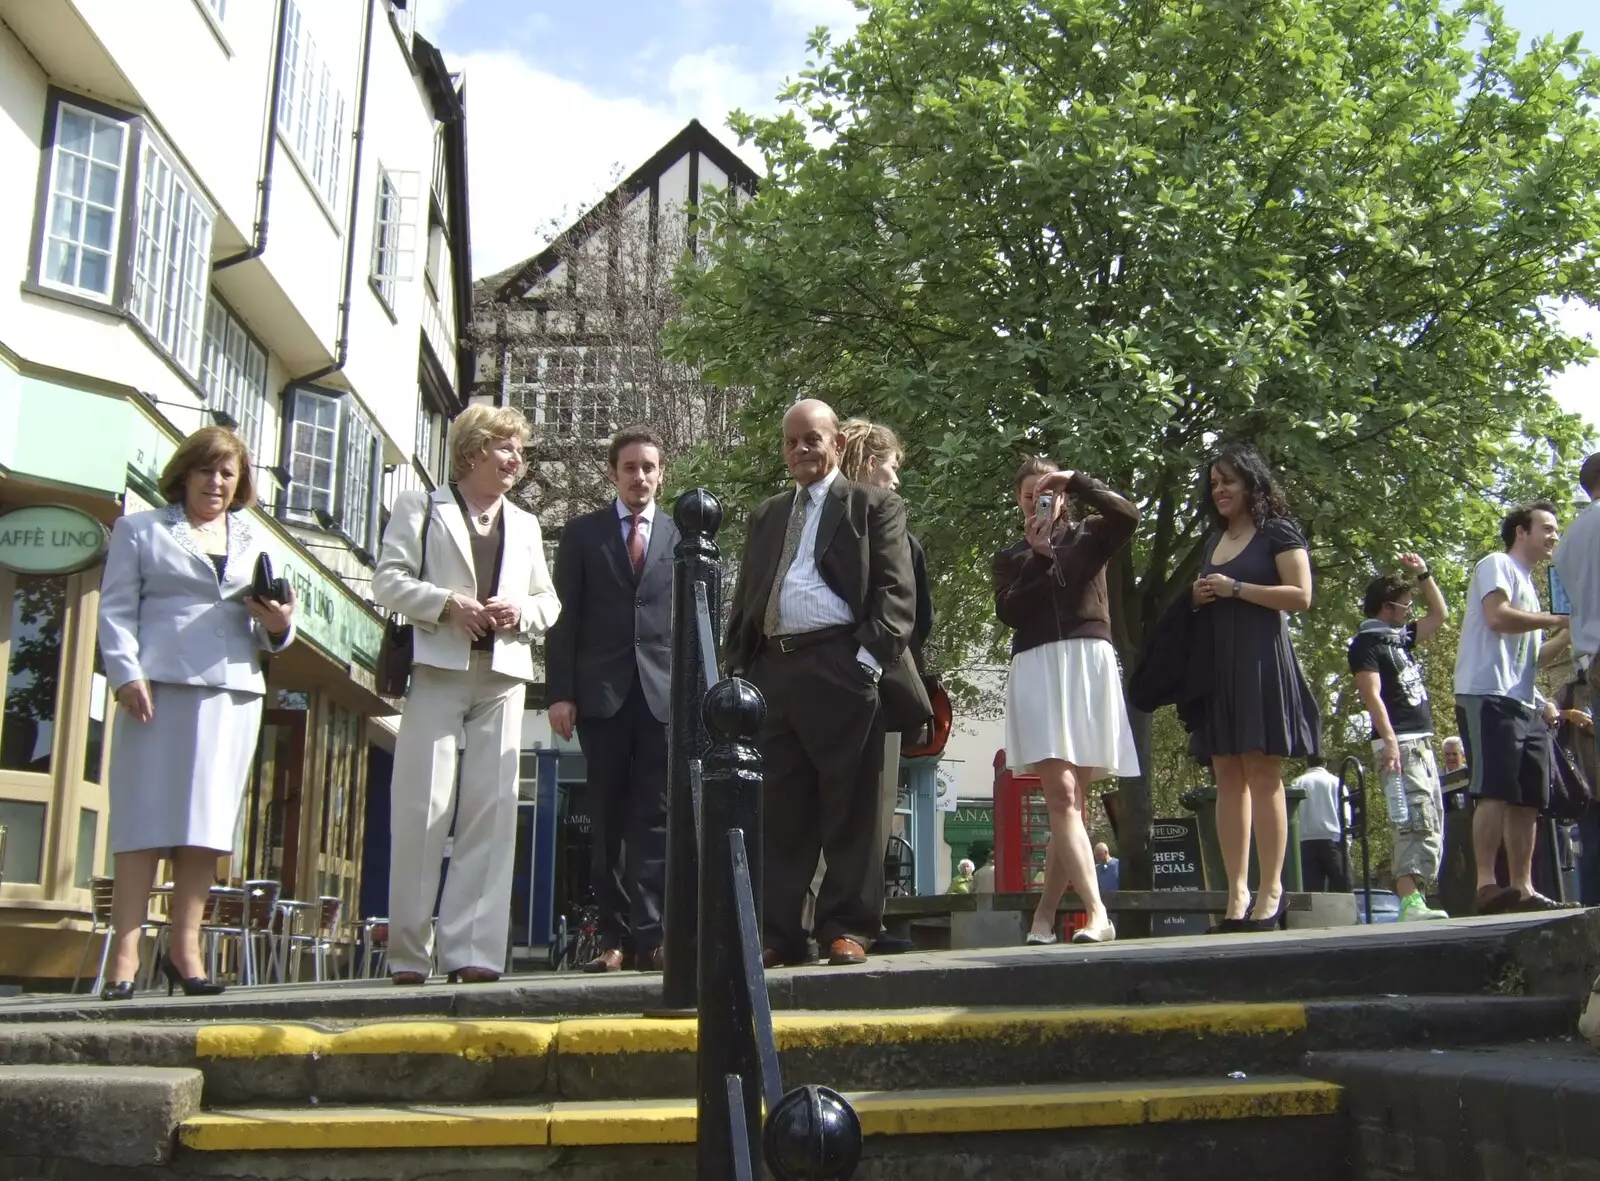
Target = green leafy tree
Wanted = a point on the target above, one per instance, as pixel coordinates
(1117, 232)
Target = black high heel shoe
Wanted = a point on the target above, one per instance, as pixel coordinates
(191, 985)
(1272, 921)
(119, 990)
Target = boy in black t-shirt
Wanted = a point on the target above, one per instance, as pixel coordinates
(1390, 683)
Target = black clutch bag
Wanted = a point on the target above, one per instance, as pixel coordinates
(265, 585)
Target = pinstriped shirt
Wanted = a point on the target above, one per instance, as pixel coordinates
(806, 603)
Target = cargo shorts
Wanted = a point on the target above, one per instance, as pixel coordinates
(1419, 842)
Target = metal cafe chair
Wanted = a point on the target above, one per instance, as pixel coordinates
(100, 894)
(260, 911)
(370, 958)
(323, 941)
(899, 868)
(228, 923)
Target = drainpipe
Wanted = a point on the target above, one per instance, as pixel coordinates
(341, 351)
(269, 151)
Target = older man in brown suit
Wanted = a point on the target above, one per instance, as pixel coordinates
(821, 617)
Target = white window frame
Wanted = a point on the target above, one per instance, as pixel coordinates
(393, 233)
(348, 490)
(172, 255)
(233, 373)
(311, 110)
(310, 491)
(53, 195)
(430, 441)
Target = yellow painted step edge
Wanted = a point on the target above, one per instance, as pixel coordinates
(489, 1040)
(883, 1113)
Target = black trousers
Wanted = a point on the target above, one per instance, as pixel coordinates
(626, 798)
(822, 752)
(1325, 867)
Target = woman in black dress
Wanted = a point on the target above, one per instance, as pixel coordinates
(1260, 710)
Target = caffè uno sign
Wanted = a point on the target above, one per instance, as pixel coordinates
(50, 539)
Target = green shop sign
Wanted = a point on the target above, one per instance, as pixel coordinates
(50, 539)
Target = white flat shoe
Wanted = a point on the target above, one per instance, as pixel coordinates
(1103, 934)
(1034, 940)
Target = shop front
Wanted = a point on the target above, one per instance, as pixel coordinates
(75, 455)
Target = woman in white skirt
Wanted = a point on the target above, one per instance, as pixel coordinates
(1066, 721)
(182, 640)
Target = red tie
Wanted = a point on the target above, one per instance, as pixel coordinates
(635, 544)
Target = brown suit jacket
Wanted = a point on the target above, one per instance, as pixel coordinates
(864, 557)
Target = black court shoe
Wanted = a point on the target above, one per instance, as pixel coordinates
(191, 985)
(120, 990)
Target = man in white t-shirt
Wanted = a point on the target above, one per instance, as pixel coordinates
(1324, 853)
(1498, 709)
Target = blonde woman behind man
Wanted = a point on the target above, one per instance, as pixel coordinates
(477, 595)
(872, 456)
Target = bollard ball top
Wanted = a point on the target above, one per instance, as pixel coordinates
(734, 710)
(697, 511)
(812, 1134)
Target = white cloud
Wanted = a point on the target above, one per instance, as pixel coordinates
(541, 148)
(1578, 390)
(433, 15)
(708, 84)
(840, 16)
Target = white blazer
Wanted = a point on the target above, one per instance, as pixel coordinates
(418, 589)
(163, 614)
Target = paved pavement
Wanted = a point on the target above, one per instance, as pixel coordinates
(1530, 953)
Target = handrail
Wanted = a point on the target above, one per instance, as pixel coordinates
(1355, 799)
(755, 975)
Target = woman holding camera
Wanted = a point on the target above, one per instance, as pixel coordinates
(1065, 716)
(1259, 709)
(466, 567)
(181, 635)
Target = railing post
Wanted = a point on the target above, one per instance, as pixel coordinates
(730, 795)
(698, 515)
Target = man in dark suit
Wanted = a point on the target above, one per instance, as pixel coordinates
(608, 657)
(821, 617)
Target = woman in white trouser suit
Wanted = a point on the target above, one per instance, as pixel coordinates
(476, 596)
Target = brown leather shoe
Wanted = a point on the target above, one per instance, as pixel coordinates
(650, 961)
(846, 951)
(609, 960)
(474, 976)
(771, 958)
(408, 979)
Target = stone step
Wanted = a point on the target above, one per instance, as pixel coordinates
(928, 1134)
(578, 1059)
(1510, 1111)
(1533, 953)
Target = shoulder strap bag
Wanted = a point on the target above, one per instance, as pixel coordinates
(392, 676)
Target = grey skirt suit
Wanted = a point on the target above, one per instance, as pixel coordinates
(169, 616)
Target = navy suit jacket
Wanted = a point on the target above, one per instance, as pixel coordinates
(612, 626)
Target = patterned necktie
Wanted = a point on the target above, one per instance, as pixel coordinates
(635, 544)
(791, 547)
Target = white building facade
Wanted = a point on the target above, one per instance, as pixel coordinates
(248, 212)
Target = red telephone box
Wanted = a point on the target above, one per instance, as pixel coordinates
(1022, 834)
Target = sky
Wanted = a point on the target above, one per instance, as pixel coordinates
(565, 97)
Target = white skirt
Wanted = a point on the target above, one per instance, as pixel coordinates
(179, 778)
(1064, 701)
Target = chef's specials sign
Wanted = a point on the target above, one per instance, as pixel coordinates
(1175, 852)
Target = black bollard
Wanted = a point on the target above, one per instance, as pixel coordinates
(730, 795)
(698, 515)
(813, 1134)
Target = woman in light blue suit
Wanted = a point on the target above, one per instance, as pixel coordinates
(181, 637)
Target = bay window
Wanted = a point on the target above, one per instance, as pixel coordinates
(331, 454)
